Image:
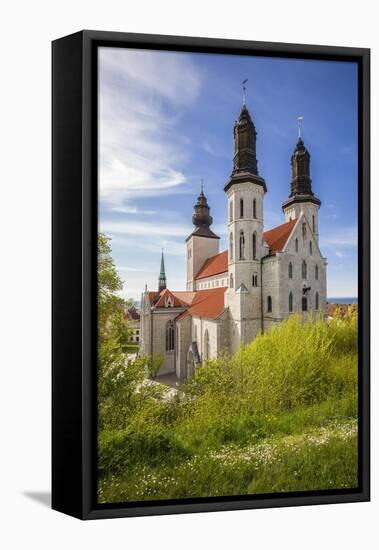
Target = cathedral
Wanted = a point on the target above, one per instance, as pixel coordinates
(261, 279)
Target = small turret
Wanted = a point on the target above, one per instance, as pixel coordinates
(201, 219)
(202, 243)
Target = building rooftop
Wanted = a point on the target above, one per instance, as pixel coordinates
(132, 314)
(206, 303)
(214, 265)
(277, 237)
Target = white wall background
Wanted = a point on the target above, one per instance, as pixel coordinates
(26, 31)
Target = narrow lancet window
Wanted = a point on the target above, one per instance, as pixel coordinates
(242, 245)
(241, 208)
(304, 269)
(290, 302)
(170, 335)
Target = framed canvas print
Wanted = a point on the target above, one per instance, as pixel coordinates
(210, 274)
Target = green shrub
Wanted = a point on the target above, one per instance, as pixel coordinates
(287, 385)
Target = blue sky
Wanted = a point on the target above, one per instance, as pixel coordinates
(166, 121)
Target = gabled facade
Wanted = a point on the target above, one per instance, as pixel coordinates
(260, 280)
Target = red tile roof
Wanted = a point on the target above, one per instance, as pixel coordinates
(277, 237)
(206, 303)
(214, 265)
(132, 314)
(179, 298)
(340, 309)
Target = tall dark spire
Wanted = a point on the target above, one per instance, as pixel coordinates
(245, 164)
(301, 183)
(162, 276)
(201, 219)
(245, 140)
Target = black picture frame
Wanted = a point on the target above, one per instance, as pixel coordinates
(74, 205)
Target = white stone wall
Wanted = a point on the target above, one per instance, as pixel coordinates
(145, 325)
(271, 286)
(218, 334)
(216, 281)
(183, 342)
(158, 345)
(199, 249)
(278, 284)
(244, 302)
(309, 209)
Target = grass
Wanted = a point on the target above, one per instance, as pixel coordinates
(279, 416)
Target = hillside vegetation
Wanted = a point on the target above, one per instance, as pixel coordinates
(281, 415)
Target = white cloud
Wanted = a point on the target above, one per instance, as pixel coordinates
(142, 95)
(132, 210)
(341, 237)
(143, 228)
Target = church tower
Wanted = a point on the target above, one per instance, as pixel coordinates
(202, 243)
(162, 283)
(302, 198)
(245, 191)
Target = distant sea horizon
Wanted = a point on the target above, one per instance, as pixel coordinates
(344, 300)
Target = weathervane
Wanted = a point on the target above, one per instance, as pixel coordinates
(244, 82)
(299, 125)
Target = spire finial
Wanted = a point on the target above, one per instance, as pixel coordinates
(202, 184)
(299, 126)
(244, 82)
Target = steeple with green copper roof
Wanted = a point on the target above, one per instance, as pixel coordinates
(162, 276)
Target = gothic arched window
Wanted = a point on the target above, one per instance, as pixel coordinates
(313, 224)
(290, 270)
(290, 302)
(231, 284)
(231, 211)
(316, 272)
(304, 303)
(206, 345)
(269, 304)
(310, 248)
(254, 246)
(242, 245)
(231, 246)
(296, 245)
(316, 301)
(170, 335)
(241, 208)
(254, 280)
(254, 208)
(304, 269)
